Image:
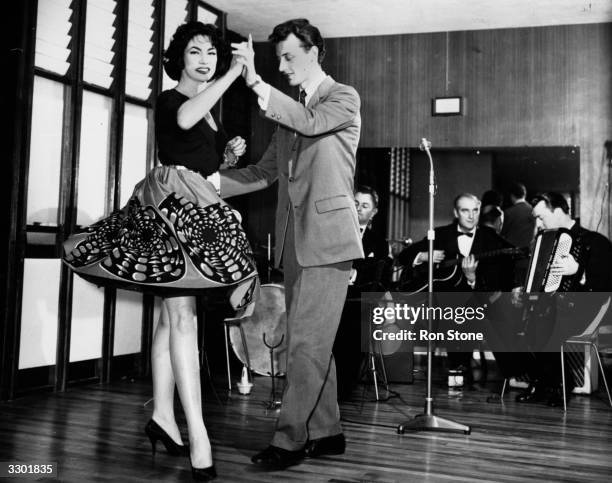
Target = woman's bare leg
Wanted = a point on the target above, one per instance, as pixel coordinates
(163, 377)
(186, 369)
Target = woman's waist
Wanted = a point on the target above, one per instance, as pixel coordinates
(212, 177)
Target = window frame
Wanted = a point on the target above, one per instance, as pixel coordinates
(15, 381)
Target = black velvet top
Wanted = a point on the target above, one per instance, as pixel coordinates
(199, 148)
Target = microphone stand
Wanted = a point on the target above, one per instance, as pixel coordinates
(428, 421)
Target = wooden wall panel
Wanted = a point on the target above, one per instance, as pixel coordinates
(543, 86)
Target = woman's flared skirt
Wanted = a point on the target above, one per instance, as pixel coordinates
(175, 236)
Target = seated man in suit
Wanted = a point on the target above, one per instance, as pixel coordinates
(462, 238)
(587, 268)
(373, 274)
(373, 271)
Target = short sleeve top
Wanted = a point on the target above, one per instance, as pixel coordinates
(199, 148)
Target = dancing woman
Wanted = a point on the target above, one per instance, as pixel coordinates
(176, 236)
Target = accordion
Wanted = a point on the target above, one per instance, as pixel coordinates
(550, 245)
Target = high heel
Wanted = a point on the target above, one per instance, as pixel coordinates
(203, 474)
(156, 433)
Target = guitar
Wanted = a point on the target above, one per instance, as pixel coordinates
(448, 273)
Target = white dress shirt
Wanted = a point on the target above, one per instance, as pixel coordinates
(309, 87)
(465, 242)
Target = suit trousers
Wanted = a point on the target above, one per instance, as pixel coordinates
(314, 297)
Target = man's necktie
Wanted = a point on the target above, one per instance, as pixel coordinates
(470, 234)
(302, 97)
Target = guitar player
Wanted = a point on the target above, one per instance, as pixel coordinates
(463, 238)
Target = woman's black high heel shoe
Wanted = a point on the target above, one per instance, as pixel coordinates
(203, 474)
(156, 433)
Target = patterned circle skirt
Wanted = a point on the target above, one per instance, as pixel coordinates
(174, 236)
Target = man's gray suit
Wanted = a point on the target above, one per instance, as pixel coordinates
(312, 154)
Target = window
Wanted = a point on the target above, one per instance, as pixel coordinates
(88, 140)
(140, 48)
(54, 35)
(176, 14)
(100, 35)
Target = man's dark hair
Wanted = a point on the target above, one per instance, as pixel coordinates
(367, 190)
(491, 216)
(552, 200)
(174, 54)
(517, 190)
(492, 197)
(308, 35)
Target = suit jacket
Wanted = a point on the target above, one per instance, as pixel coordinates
(519, 225)
(375, 269)
(491, 274)
(312, 154)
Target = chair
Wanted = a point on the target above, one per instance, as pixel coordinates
(587, 338)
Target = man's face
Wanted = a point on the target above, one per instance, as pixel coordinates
(294, 62)
(467, 213)
(545, 217)
(365, 207)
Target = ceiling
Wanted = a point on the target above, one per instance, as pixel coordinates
(356, 18)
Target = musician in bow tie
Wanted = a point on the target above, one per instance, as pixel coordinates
(465, 246)
(373, 271)
(465, 240)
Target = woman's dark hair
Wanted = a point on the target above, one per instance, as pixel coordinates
(308, 35)
(173, 56)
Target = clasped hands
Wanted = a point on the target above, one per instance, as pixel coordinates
(243, 58)
(234, 148)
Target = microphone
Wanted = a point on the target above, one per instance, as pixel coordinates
(424, 145)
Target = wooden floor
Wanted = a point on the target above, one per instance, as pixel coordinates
(94, 433)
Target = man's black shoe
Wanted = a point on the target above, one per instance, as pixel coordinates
(275, 458)
(325, 446)
(531, 394)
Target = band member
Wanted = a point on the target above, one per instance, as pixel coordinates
(494, 218)
(312, 154)
(587, 268)
(373, 271)
(519, 225)
(519, 222)
(463, 237)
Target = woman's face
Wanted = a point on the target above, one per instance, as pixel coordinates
(200, 59)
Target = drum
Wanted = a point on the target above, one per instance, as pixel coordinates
(269, 318)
